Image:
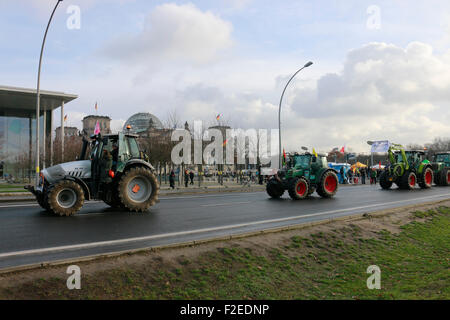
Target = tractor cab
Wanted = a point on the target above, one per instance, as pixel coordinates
(443, 157)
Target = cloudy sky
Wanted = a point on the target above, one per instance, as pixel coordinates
(381, 68)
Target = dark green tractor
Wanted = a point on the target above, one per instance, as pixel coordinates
(441, 168)
(304, 174)
(407, 168)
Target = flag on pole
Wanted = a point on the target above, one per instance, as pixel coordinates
(315, 153)
(218, 117)
(96, 106)
(65, 117)
(224, 143)
(97, 128)
(342, 150)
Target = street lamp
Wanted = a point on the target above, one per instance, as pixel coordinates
(279, 111)
(38, 100)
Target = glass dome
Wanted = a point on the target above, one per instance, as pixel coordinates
(141, 122)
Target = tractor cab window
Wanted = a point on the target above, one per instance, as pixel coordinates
(443, 158)
(303, 160)
(133, 147)
(324, 162)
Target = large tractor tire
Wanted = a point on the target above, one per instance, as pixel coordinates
(65, 198)
(138, 189)
(426, 180)
(328, 185)
(444, 177)
(408, 180)
(274, 188)
(384, 181)
(298, 188)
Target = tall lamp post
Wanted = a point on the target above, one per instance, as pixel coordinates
(279, 111)
(38, 92)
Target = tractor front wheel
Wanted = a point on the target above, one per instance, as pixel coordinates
(138, 189)
(384, 181)
(328, 185)
(274, 188)
(298, 188)
(426, 180)
(66, 198)
(408, 180)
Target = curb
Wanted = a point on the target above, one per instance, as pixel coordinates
(91, 258)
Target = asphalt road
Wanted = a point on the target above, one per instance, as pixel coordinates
(29, 235)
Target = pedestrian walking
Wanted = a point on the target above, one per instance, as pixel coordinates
(191, 176)
(186, 178)
(172, 179)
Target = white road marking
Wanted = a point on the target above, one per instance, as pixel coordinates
(224, 204)
(190, 232)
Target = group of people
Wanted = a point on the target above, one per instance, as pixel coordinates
(188, 176)
(363, 174)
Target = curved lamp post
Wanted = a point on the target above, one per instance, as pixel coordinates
(38, 101)
(279, 111)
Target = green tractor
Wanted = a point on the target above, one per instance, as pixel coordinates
(441, 167)
(304, 174)
(407, 168)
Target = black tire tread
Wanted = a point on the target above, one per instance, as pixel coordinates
(292, 188)
(128, 204)
(321, 186)
(53, 203)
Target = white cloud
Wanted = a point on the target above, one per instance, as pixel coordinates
(174, 32)
(383, 92)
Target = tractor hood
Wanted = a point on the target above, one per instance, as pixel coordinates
(78, 169)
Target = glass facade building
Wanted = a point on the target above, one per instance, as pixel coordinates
(18, 128)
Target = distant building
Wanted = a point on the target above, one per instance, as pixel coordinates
(89, 123)
(147, 125)
(143, 122)
(68, 132)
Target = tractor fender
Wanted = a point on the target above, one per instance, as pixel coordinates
(423, 166)
(398, 170)
(84, 186)
(323, 171)
(138, 162)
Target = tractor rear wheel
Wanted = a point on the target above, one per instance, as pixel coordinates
(426, 180)
(274, 188)
(66, 198)
(138, 189)
(444, 177)
(328, 185)
(384, 181)
(298, 188)
(408, 180)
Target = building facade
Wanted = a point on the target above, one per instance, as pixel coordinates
(18, 128)
(89, 123)
(68, 132)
